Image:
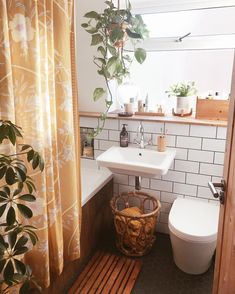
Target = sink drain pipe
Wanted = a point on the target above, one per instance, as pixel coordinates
(138, 183)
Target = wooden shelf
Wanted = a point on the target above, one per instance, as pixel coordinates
(167, 118)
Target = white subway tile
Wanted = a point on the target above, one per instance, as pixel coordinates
(200, 180)
(153, 127)
(186, 166)
(114, 135)
(104, 135)
(201, 156)
(161, 185)
(181, 153)
(219, 158)
(216, 179)
(177, 129)
(96, 144)
(155, 194)
(88, 122)
(132, 125)
(115, 188)
(170, 197)
(185, 189)
(124, 188)
(203, 131)
(166, 207)
(111, 124)
(162, 228)
(204, 192)
(164, 217)
(104, 145)
(222, 133)
(189, 142)
(211, 169)
(213, 145)
(144, 182)
(121, 179)
(174, 176)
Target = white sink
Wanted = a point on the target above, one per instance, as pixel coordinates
(136, 161)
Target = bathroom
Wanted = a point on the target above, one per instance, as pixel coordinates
(117, 177)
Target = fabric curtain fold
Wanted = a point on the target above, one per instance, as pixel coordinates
(38, 92)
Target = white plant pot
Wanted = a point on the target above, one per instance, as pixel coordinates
(183, 105)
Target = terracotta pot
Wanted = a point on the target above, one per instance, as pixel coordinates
(123, 26)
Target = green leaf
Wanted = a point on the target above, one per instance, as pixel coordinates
(12, 136)
(20, 266)
(3, 171)
(30, 155)
(101, 50)
(41, 164)
(84, 25)
(21, 250)
(2, 209)
(20, 174)
(12, 239)
(25, 147)
(9, 271)
(21, 242)
(28, 197)
(2, 264)
(10, 176)
(35, 162)
(133, 35)
(11, 216)
(96, 39)
(33, 237)
(113, 64)
(98, 93)
(7, 190)
(140, 55)
(92, 30)
(92, 14)
(117, 34)
(112, 50)
(25, 211)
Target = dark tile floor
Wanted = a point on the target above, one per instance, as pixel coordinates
(159, 274)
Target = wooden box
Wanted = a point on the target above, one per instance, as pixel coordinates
(212, 109)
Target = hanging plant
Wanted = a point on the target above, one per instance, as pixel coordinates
(16, 190)
(109, 31)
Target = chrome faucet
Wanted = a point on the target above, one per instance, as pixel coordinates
(142, 142)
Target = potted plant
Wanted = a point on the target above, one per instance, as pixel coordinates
(109, 31)
(16, 190)
(183, 93)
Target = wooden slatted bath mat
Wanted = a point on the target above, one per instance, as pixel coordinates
(107, 273)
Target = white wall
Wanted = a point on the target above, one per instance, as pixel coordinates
(88, 79)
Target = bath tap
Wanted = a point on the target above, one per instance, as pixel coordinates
(142, 142)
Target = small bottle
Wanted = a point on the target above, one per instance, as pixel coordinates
(124, 136)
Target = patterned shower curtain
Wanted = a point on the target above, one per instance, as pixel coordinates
(38, 93)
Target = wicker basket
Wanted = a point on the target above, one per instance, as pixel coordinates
(135, 228)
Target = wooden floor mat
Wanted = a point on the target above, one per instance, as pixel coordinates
(107, 273)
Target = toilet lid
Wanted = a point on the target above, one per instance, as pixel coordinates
(194, 220)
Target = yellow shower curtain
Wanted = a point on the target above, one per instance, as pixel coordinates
(38, 93)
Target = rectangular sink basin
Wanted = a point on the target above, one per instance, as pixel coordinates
(136, 161)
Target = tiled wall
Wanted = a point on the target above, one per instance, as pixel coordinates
(199, 159)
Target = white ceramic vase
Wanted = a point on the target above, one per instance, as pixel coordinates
(183, 105)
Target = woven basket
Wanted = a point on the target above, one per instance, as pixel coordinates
(135, 230)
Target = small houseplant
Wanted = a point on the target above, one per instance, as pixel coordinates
(16, 190)
(183, 92)
(109, 32)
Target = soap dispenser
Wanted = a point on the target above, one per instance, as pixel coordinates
(124, 136)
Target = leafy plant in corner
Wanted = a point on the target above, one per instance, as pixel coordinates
(182, 89)
(16, 190)
(109, 32)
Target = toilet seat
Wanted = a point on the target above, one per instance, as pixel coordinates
(194, 220)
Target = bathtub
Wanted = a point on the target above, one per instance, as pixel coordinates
(93, 179)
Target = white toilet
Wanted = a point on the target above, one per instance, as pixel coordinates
(193, 226)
